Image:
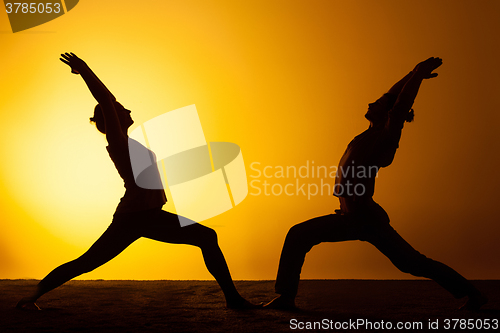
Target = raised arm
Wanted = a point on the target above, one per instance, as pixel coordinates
(398, 86)
(409, 90)
(114, 132)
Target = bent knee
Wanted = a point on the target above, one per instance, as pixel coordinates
(211, 235)
(297, 231)
(206, 237)
(300, 238)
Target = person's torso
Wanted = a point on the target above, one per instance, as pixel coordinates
(136, 198)
(359, 165)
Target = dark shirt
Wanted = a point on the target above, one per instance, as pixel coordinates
(367, 153)
(136, 198)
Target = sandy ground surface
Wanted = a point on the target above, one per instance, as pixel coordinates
(198, 306)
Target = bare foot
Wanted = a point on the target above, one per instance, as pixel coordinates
(282, 303)
(27, 304)
(243, 304)
(475, 302)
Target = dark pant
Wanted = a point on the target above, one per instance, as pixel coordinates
(368, 223)
(154, 224)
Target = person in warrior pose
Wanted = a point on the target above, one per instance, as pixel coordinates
(139, 213)
(359, 216)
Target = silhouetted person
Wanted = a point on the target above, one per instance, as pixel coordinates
(139, 213)
(361, 218)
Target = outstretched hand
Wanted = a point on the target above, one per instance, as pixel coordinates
(426, 67)
(74, 62)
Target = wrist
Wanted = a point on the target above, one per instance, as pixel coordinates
(83, 69)
(419, 74)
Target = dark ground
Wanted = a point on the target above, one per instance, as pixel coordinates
(198, 306)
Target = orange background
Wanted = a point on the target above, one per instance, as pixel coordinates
(289, 82)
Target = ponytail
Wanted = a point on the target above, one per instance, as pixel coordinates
(410, 116)
(98, 119)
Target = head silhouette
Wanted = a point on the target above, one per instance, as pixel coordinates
(378, 111)
(123, 116)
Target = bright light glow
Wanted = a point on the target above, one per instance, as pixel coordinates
(289, 83)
